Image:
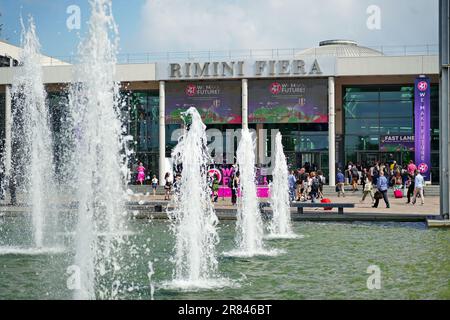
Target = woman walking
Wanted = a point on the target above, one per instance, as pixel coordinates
(215, 188)
(234, 189)
(368, 189)
(397, 181)
(141, 173)
(411, 186)
(167, 186)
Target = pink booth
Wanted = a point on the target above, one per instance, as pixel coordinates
(224, 175)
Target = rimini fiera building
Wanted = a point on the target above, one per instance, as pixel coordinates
(334, 103)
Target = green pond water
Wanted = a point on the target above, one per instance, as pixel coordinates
(329, 262)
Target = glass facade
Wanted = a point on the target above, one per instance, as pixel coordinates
(2, 118)
(59, 113)
(370, 112)
(140, 109)
(2, 125)
(302, 143)
(143, 126)
(375, 110)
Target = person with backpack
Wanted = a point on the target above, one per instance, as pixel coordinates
(314, 187)
(375, 174)
(322, 182)
(354, 178)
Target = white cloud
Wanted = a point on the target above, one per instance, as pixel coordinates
(183, 25)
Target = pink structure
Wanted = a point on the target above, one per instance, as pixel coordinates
(261, 192)
(224, 176)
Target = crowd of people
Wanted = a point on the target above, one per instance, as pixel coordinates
(376, 179)
(171, 184)
(306, 183)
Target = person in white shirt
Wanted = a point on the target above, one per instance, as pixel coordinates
(419, 183)
(154, 185)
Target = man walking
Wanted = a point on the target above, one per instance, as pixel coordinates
(340, 181)
(411, 187)
(292, 185)
(382, 186)
(419, 182)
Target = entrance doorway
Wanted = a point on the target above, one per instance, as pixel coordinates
(367, 158)
(311, 158)
(296, 160)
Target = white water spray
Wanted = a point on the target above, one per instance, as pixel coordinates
(249, 222)
(99, 157)
(194, 219)
(31, 135)
(150, 274)
(280, 225)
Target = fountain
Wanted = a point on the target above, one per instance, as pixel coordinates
(193, 218)
(249, 226)
(280, 226)
(31, 136)
(100, 158)
(329, 264)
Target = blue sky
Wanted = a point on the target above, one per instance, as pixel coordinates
(181, 25)
(50, 17)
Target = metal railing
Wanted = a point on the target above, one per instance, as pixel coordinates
(287, 53)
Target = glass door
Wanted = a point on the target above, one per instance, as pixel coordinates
(311, 158)
(366, 158)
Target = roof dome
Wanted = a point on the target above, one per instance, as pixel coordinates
(339, 48)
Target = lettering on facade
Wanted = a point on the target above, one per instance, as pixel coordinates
(236, 69)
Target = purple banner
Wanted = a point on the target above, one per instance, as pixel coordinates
(422, 126)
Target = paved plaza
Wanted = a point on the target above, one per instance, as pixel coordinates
(398, 206)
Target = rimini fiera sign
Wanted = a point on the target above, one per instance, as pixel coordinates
(309, 67)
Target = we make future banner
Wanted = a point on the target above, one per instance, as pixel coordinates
(422, 126)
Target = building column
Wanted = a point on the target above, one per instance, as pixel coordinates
(260, 144)
(8, 133)
(162, 132)
(244, 104)
(331, 133)
(444, 115)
